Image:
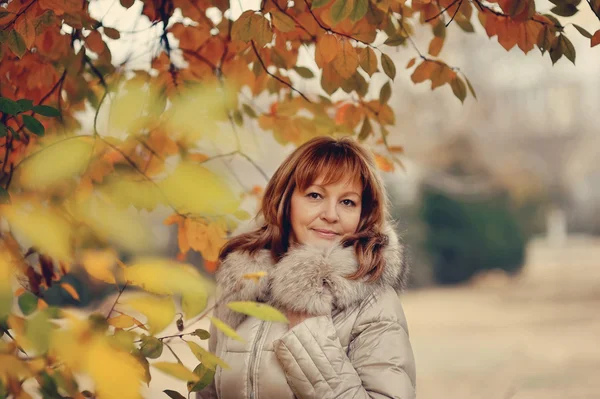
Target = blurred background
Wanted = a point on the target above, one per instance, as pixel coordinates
(498, 203)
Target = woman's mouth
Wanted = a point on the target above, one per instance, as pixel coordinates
(327, 234)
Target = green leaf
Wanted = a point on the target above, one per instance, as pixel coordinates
(556, 50)
(395, 40)
(471, 88)
(341, 9)
(174, 394)
(3, 130)
(583, 32)
(304, 72)
(439, 30)
(388, 66)
(226, 329)
(385, 93)
(238, 118)
(319, 3)
(25, 104)
(359, 10)
(365, 130)
(568, 49)
(33, 125)
(465, 25)
(202, 334)
(16, 43)
(249, 111)
(258, 310)
(151, 347)
(192, 303)
(4, 196)
(206, 377)
(46, 110)
(565, 10)
(15, 134)
(28, 303)
(9, 107)
(459, 89)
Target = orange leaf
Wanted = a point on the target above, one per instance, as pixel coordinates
(326, 49)
(20, 291)
(94, 42)
(435, 46)
(174, 218)
(368, 60)
(529, 33)
(410, 63)
(383, 163)
(42, 304)
(423, 71)
(197, 157)
(596, 38)
(346, 61)
(282, 21)
(121, 321)
(191, 37)
(24, 26)
(210, 266)
(182, 239)
(69, 288)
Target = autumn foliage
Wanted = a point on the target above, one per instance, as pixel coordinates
(73, 198)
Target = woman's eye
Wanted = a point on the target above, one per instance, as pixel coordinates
(348, 202)
(314, 195)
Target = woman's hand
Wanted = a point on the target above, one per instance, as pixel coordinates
(296, 318)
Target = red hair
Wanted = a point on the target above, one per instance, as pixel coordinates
(334, 159)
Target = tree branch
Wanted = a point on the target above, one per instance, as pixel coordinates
(277, 77)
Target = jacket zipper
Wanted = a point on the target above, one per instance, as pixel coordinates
(253, 355)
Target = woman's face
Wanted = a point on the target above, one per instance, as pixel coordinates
(322, 214)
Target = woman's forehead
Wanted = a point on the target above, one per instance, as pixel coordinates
(349, 183)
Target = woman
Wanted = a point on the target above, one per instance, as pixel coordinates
(335, 268)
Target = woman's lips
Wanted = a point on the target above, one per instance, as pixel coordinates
(325, 234)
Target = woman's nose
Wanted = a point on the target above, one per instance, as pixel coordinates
(329, 212)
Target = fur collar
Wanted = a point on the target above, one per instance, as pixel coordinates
(306, 279)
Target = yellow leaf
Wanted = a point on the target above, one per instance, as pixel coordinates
(176, 370)
(6, 277)
(126, 192)
(99, 264)
(193, 303)
(121, 321)
(164, 276)
(258, 310)
(12, 366)
(159, 311)
(254, 276)
(192, 188)
(208, 359)
(69, 288)
(116, 374)
(226, 329)
(49, 166)
(346, 61)
(47, 231)
(121, 227)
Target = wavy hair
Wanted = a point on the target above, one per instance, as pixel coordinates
(334, 159)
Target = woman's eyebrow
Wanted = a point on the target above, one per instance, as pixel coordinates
(344, 194)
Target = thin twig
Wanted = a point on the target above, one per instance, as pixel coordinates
(443, 11)
(117, 300)
(276, 77)
(173, 352)
(454, 15)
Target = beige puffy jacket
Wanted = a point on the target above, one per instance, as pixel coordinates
(356, 346)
